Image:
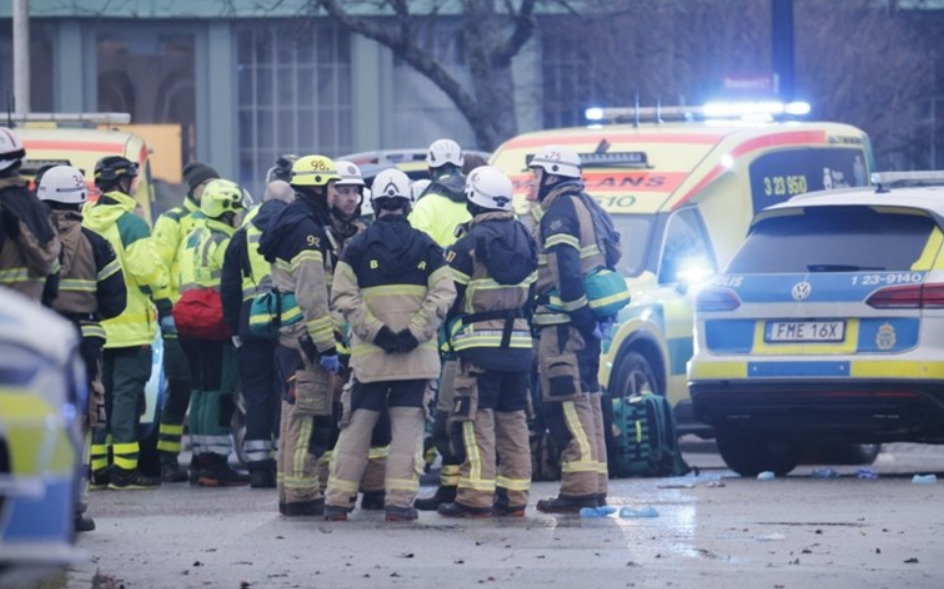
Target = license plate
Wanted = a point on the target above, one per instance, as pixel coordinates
(805, 331)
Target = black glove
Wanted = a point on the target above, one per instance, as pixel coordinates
(164, 308)
(387, 340)
(406, 341)
(584, 321)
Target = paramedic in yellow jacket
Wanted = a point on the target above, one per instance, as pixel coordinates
(296, 244)
(494, 268)
(126, 365)
(441, 206)
(170, 230)
(394, 288)
(212, 360)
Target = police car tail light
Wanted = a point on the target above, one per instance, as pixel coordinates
(717, 299)
(917, 296)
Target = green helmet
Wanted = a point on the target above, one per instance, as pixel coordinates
(221, 197)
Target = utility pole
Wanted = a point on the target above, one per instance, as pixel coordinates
(21, 57)
(782, 49)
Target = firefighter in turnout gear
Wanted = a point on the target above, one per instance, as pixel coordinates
(210, 353)
(246, 274)
(296, 245)
(494, 267)
(345, 224)
(91, 288)
(441, 208)
(394, 287)
(569, 345)
(126, 361)
(29, 245)
(170, 230)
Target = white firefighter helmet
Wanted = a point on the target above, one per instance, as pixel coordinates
(557, 160)
(390, 184)
(63, 184)
(489, 188)
(418, 187)
(442, 152)
(350, 174)
(11, 148)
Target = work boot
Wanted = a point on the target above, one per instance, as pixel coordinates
(262, 479)
(303, 508)
(84, 523)
(218, 473)
(456, 509)
(400, 514)
(502, 508)
(333, 513)
(171, 471)
(373, 500)
(563, 504)
(443, 494)
(131, 480)
(99, 479)
(196, 467)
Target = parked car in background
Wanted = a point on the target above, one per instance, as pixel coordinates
(42, 390)
(827, 326)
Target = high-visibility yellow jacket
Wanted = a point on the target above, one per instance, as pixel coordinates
(170, 230)
(441, 209)
(201, 258)
(145, 280)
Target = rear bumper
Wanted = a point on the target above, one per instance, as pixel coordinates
(858, 409)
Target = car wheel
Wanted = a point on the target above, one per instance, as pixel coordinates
(749, 454)
(634, 376)
(850, 454)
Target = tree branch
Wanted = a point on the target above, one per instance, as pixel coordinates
(524, 29)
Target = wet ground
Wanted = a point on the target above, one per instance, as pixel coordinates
(712, 530)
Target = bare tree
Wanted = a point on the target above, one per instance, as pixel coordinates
(491, 36)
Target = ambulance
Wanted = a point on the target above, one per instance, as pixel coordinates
(682, 194)
(80, 140)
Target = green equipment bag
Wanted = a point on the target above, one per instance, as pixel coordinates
(607, 292)
(271, 311)
(643, 440)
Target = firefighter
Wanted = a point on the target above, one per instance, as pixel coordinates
(29, 245)
(394, 287)
(210, 353)
(441, 212)
(569, 345)
(246, 274)
(441, 208)
(170, 230)
(91, 288)
(296, 246)
(345, 224)
(494, 267)
(126, 360)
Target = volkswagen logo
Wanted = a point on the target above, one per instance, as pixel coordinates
(801, 291)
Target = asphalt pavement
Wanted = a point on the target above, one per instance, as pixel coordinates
(712, 530)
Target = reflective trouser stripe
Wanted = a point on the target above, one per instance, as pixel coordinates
(378, 452)
(257, 450)
(449, 475)
(474, 458)
(169, 438)
(99, 456)
(409, 485)
(126, 455)
(523, 485)
(221, 445)
(586, 462)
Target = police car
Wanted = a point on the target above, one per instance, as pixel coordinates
(42, 387)
(827, 326)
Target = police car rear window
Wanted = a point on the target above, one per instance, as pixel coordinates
(834, 239)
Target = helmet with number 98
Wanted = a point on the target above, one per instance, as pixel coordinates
(314, 170)
(557, 160)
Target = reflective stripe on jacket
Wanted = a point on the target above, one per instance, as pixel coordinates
(170, 231)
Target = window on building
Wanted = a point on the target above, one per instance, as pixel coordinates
(294, 94)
